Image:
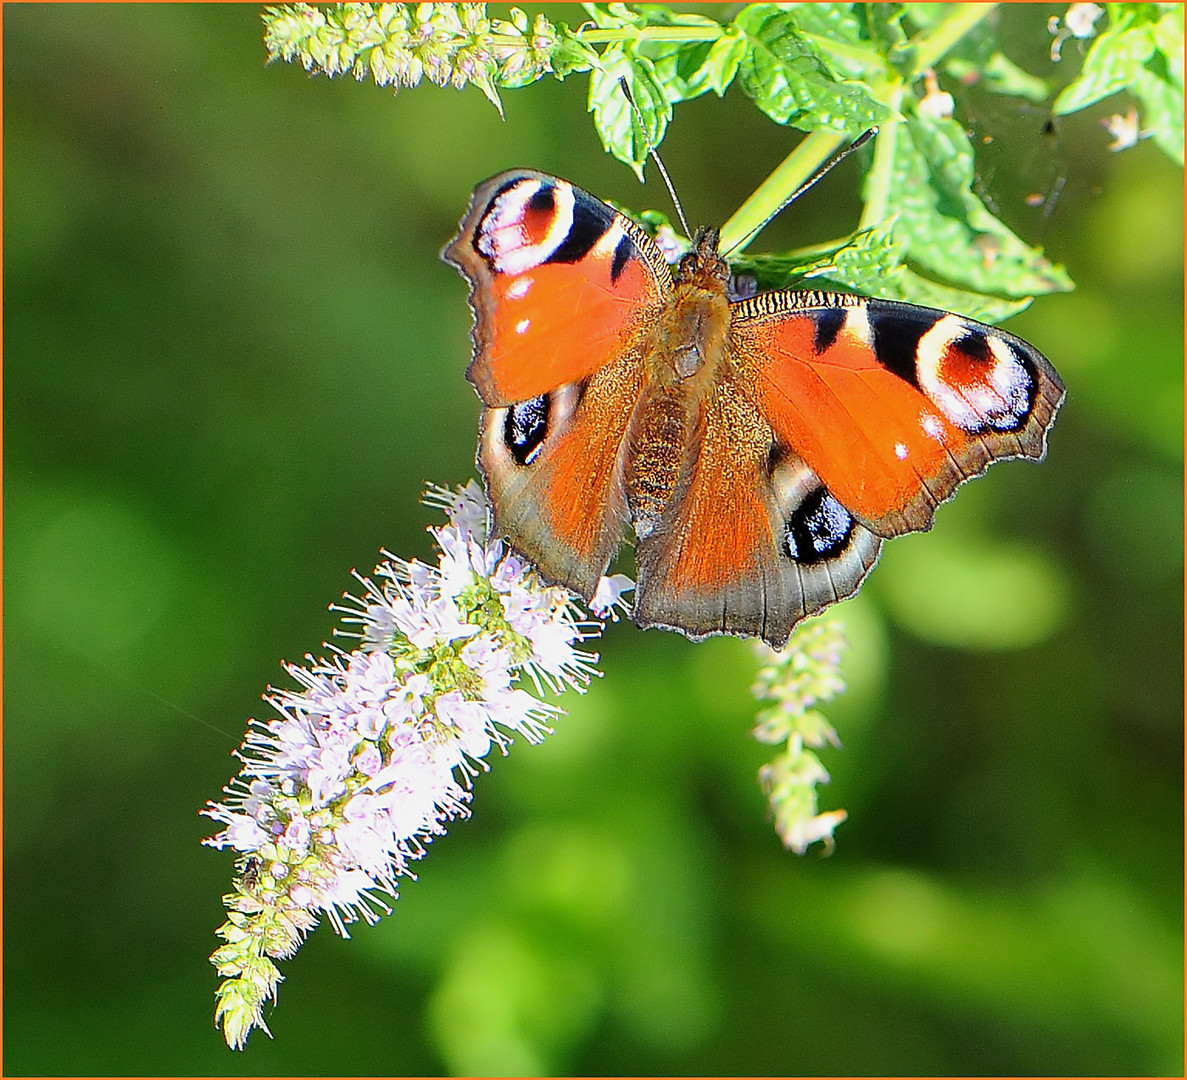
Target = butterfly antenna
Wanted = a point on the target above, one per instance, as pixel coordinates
(836, 159)
(626, 91)
(671, 190)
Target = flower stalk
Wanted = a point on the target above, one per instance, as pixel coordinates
(374, 747)
(803, 674)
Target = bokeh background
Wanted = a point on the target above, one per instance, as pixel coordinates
(232, 359)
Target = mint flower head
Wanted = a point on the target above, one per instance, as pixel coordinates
(373, 749)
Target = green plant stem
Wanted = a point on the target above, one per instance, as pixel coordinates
(607, 36)
(930, 47)
(878, 182)
(769, 196)
(932, 44)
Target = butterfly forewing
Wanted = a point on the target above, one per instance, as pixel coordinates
(891, 404)
(559, 283)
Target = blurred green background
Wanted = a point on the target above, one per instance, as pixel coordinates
(232, 359)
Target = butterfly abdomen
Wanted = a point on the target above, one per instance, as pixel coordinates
(663, 425)
(683, 355)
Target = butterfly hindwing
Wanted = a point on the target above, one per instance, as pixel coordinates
(559, 283)
(752, 542)
(891, 404)
(554, 470)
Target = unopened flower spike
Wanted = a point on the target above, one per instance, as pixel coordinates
(374, 746)
(805, 672)
(399, 44)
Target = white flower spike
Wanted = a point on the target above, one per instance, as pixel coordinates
(371, 754)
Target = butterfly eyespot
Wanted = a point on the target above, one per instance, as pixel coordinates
(818, 529)
(525, 224)
(525, 428)
(981, 382)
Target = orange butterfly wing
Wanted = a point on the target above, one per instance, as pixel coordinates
(891, 404)
(559, 282)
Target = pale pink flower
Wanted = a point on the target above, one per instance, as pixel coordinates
(372, 751)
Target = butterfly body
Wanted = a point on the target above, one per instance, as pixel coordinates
(758, 449)
(684, 356)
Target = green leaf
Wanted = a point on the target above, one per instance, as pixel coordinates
(838, 22)
(839, 35)
(662, 15)
(1112, 64)
(948, 229)
(1127, 15)
(886, 26)
(870, 263)
(862, 263)
(1162, 112)
(614, 118)
(721, 65)
(1168, 37)
(791, 82)
(925, 15)
(1142, 51)
(689, 69)
(1159, 86)
(571, 55)
(614, 16)
(867, 262)
(786, 269)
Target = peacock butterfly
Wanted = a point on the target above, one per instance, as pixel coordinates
(762, 449)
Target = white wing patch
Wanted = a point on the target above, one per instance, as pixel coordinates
(972, 376)
(503, 235)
